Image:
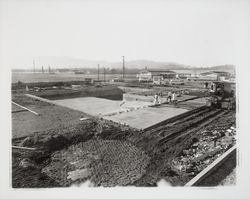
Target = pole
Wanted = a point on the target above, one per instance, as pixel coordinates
(98, 71)
(123, 67)
(34, 66)
(25, 108)
(24, 148)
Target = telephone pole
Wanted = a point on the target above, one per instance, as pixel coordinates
(123, 67)
(34, 66)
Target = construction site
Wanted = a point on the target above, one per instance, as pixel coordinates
(123, 134)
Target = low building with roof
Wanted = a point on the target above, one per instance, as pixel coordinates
(215, 75)
(148, 74)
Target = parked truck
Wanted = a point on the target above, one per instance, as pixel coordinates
(222, 95)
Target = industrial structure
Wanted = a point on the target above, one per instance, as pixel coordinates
(148, 75)
(215, 75)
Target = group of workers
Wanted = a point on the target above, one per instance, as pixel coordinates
(171, 98)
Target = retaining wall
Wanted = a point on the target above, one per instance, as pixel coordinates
(134, 97)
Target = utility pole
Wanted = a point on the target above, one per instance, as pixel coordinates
(34, 66)
(123, 67)
(42, 70)
(98, 71)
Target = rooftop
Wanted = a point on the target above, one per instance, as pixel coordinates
(214, 72)
(158, 70)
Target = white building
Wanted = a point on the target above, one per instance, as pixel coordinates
(215, 75)
(147, 75)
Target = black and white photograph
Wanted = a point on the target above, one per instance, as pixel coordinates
(125, 94)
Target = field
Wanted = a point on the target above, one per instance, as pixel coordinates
(58, 77)
(50, 116)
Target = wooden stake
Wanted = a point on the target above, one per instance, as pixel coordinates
(25, 108)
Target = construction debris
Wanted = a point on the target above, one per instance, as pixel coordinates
(202, 153)
(25, 163)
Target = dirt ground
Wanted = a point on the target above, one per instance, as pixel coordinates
(28, 177)
(50, 116)
(230, 179)
(40, 77)
(60, 133)
(160, 144)
(219, 176)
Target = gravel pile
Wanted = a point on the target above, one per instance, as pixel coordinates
(104, 162)
(202, 153)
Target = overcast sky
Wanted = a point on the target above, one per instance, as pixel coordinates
(198, 33)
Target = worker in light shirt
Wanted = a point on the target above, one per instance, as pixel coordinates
(156, 99)
(174, 101)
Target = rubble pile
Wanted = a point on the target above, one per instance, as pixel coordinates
(103, 162)
(200, 154)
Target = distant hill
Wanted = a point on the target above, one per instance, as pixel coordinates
(141, 64)
(73, 63)
(68, 62)
(223, 67)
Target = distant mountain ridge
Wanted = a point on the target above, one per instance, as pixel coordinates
(222, 67)
(71, 63)
(67, 62)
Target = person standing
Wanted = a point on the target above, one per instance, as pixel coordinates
(169, 97)
(174, 98)
(156, 99)
(206, 85)
(160, 97)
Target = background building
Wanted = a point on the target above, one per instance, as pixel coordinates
(215, 75)
(147, 75)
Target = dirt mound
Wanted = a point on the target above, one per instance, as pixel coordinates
(30, 176)
(104, 162)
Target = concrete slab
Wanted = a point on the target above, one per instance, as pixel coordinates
(96, 106)
(147, 117)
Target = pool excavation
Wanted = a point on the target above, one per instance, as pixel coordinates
(123, 141)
